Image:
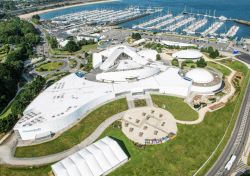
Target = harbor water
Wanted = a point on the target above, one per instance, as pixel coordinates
(228, 8)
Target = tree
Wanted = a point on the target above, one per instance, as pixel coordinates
(72, 46)
(52, 41)
(136, 36)
(175, 62)
(37, 17)
(201, 63)
(158, 57)
(217, 54)
(210, 49)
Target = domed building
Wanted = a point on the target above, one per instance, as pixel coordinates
(204, 80)
(187, 54)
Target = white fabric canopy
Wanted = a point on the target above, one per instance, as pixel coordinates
(97, 159)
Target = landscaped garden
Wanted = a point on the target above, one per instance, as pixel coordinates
(50, 66)
(183, 155)
(76, 134)
(176, 106)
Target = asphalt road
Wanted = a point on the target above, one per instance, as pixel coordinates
(244, 57)
(237, 141)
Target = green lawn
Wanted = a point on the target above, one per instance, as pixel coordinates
(76, 134)
(224, 70)
(235, 65)
(41, 171)
(49, 66)
(239, 95)
(72, 63)
(182, 156)
(85, 48)
(176, 106)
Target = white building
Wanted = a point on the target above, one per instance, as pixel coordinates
(124, 71)
(204, 81)
(187, 54)
(177, 44)
(100, 158)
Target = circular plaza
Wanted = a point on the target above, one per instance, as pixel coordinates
(149, 125)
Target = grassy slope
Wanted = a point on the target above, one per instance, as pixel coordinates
(238, 66)
(8, 110)
(225, 71)
(182, 156)
(76, 134)
(235, 65)
(41, 171)
(176, 106)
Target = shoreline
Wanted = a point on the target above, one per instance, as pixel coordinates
(29, 15)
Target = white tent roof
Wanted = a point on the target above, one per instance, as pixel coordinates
(122, 76)
(200, 75)
(171, 43)
(187, 54)
(112, 55)
(148, 54)
(127, 64)
(94, 160)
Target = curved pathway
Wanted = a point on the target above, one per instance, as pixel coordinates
(7, 150)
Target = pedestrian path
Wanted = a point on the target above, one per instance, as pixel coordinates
(7, 149)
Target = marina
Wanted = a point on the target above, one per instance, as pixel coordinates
(213, 13)
(153, 21)
(212, 29)
(102, 16)
(167, 22)
(195, 26)
(232, 31)
(180, 24)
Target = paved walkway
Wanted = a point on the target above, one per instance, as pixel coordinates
(7, 150)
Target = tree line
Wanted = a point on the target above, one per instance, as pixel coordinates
(29, 92)
(17, 38)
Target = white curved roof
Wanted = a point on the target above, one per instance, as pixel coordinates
(200, 75)
(127, 64)
(72, 97)
(148, 54)
(97, 159)
(187, 54)
(123, 76)
(171, 43)
(113, 54)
